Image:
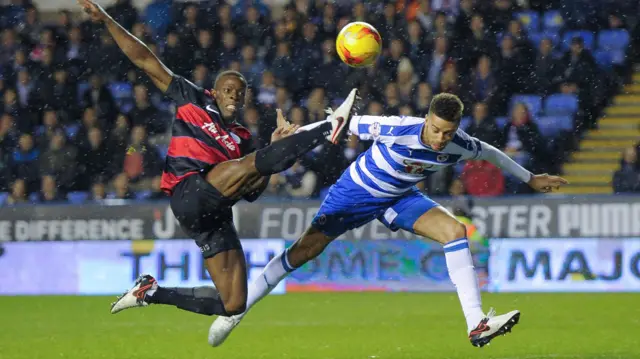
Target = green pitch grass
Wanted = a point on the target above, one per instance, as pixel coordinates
(324, 326)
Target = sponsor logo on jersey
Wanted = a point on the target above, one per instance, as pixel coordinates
(213, 129)
(415, 167)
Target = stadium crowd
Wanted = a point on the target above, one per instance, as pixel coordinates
(77, 116)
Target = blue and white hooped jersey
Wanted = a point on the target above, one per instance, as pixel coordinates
(398, 159)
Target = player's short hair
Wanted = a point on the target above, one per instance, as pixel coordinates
(229, 73)
(447, 106)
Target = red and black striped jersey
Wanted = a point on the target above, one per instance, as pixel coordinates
(200, 139)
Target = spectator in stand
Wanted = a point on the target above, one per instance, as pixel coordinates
(484, 127)
(141, 161)
(201, 76)
(50, 191)
(424, 94)
(144, 113)
(205, 52)
(514, 71)
(449, 80)
(8, 134)
(522, 139)
(330, 72)
(89, 121)
(392, 99)
(579, 72)
(407, 78)
(251, 66)
(229, 53)
(18, 193)
(482, 179)
(391, 61)
(24, 163)
(121, 189)
(417, 50)
(94, 161)
(100, 98)
(627, 178)
(478, 43)
(547, 68)
(268, 89)
(436, 62)
(252, 123)
(8, 46)
(484, 82)
(98, 191)
(59, 160)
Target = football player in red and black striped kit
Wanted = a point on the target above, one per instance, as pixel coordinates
(209, 167)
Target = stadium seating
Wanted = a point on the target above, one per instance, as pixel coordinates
(553, 126)
(465, 122)
(3, 198)
(77, 197)
(614, 43)
(530, 20)
(552, 21)
(561, 105)
(501, 121)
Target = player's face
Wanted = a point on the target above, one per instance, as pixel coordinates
(229, 96)
(439, 132)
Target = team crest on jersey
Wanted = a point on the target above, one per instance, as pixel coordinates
(375, 129)
(443, 157)
(415, 167)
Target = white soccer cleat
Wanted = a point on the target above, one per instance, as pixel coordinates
(221, 328)
(492, 326)
(340, 118)
(135, 297)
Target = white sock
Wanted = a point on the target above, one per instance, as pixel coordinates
(275, 271)
(463, 276)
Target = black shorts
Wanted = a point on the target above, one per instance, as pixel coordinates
(205, 215)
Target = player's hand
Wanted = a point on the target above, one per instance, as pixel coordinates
(95, 11)
(284, 128)
(545, 183)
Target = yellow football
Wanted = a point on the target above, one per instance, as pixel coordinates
(359, 44)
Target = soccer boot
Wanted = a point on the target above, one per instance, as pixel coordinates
(221, 328)
(340, 118)
(491, 326)
(135, 297)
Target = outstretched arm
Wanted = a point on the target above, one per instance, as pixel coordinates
(135, 49)
(541, 183)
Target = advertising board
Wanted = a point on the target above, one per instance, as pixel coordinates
(110, 267)
(565, 265)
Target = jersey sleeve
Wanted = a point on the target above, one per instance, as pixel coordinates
(183, 91)
(471, 146)
(373, 127)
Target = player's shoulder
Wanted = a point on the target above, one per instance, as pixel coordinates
(240, 130)
(465, 141)
(186, 92)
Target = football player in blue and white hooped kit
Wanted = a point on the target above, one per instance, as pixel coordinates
(381, 185)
